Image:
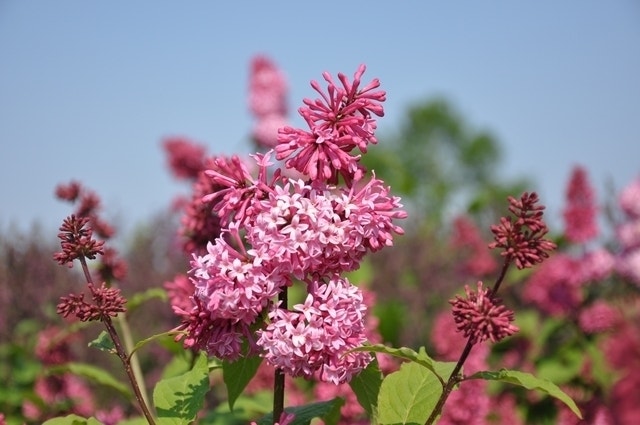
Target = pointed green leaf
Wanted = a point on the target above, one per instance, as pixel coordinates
(72, 420)
(139, 298)
(103, 343)
(160, 336)
(366, 386)
(92, 373)
(529, 382)
(237, 375)
(179, 399)
(409, 395)
(328, 411)
(421, 357)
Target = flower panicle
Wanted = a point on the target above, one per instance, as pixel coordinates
(480, 316)
(77, 241)
(522, 237)
(106, 302)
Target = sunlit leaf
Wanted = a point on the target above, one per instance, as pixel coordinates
(529, 382)
(179, 399)
(237, 375)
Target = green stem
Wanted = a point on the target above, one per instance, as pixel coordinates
(278, 382)
(122, 354)
(454, 378)
(134, 360)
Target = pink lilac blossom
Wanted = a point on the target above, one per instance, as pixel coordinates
(217, 337)
(556, 286)
(628, 265)
(235, 285)
(238, 189)
(323, 230)
(628, 234)
(267, 88)
(339, 122)
(598, 317)
(185, 158)
(580, 211)
(267, 101)
(57, 391)
(629, 199)
(314, 337)
(200, 223)
(597, 265)
(480, 316)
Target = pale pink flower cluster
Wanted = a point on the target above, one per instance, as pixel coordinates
(279, 230)
(314, 334)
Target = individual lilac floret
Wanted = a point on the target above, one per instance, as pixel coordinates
(481, 316)
(314, 338)
(338, 123)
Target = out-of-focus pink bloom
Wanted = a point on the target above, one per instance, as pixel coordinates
(556, 285)
(185, 158)
(179, 291)
(267, 101)
(267, 88)
(265, 130)
(112, 267)
(628, 265)
(630, 199)
(480, 316)
(112, 416)
(449, 344)
(315, 336)
(628, 234)
(466, 237)
(522, 239)
(339, 122)
(199, 223)
(598, 317)
(469, 405)
(580, 210)
(597, 265)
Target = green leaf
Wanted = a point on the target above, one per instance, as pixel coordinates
(237, 375)
(529, 382)
(139, 298)
(328, 411)
(93, 373)
(160, 336)
(179, 399)
(421, 357)
(409, 395)
(138, 420)
(366, 386)
(103, 343)
(72, 420)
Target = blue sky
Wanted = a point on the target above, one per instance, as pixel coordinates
(88, 90)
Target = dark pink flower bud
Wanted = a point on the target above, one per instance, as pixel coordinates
(482, 317)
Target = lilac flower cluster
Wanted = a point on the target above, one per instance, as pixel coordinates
(279, 230)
